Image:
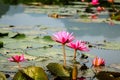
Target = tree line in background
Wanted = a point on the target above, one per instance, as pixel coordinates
(58, 2)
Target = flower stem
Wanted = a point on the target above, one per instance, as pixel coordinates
(64, 54)
(74, 54)
(19, 66)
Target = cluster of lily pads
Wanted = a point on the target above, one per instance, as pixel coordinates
(60, 71)
(63, 71)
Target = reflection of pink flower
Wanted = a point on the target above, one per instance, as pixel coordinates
(82, 78)
(78, 45)
(94, 2)
(82, 0)
(17, 58)
(93, 16)
(98, 61)
(99, 9)
(63, 37)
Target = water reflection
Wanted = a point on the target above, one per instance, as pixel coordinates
(94, 30)
(86, 31)
(16, 16)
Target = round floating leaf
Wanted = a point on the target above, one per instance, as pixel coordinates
(31, 73)
(58, 70)
(36, 73)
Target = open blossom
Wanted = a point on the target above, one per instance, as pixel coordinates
(78, 45)
(17, 58)
(63, 37)
(94, 2)
(98, 61)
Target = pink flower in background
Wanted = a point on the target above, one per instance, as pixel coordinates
(17, 58)
(63, 37)
(98, 61)
(94, 2)
(78, 45)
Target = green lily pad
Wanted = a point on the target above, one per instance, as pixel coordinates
(58, 70)
(31, 73)
(47, 38)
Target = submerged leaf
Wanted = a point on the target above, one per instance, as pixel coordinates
(47, 38)
(3, 34)
(19, 36)
(1, 44)
(104, 75)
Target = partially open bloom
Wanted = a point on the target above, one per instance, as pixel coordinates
(78, 45)
(63, 37)
(98, 62)
(94, 2)
(17, 58)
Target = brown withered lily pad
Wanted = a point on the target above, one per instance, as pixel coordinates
(104, 75)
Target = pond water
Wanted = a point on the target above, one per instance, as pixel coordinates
(88, 31)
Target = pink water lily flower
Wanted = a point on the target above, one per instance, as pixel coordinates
(94, 2)
(17, 59)
(78, 45)
(97, 61)
(63, 37)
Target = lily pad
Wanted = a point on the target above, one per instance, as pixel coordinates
(108, 45)
(47, 38)
(31, 73)
(58, 70)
